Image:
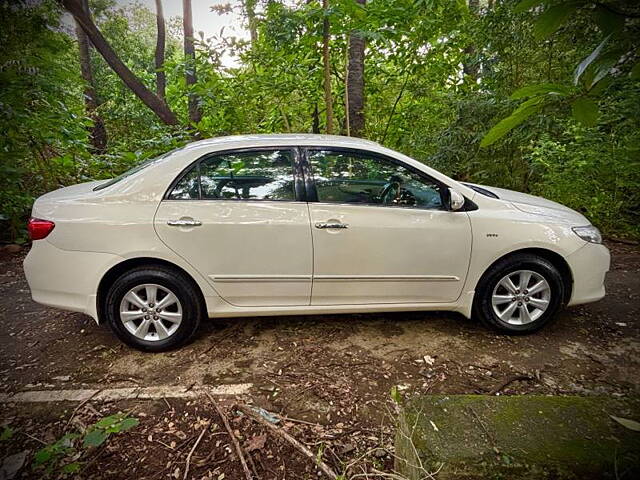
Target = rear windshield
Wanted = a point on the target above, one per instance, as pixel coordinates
(144, 164)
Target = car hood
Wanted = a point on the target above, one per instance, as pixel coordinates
(537, 205)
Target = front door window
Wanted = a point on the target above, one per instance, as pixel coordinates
(355, 178)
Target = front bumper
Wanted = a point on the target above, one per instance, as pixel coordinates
(589, 265)
(65, 279)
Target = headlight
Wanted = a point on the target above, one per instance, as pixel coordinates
(588, 234)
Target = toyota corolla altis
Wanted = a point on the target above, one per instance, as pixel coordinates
(292, 224)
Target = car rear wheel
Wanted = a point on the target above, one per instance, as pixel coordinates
(153, 308)
(519, 294)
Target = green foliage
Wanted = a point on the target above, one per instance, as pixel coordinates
(63, 457)
(551, 19)
(593, 69)
(49, 457)
(519, 115)
(595, 171)
(542, 89)
(107, 426)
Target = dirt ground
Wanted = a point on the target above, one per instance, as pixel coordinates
(333, 372)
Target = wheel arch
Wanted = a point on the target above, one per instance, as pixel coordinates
(554, 258)
(115, 271)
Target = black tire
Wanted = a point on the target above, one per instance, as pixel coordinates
(173, 280)
(483, 308)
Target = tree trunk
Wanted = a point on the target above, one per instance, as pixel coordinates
(250, 9)
(97, 132)
(190, 61)
(326, 60)
(471, 67)
(355, 83)
(315, 123)
(100, 43)
(161, 79)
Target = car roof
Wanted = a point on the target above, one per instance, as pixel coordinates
(276, 139)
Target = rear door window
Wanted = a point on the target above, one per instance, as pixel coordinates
(254, 175)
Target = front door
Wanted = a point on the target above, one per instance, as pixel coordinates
(381, 233)
(234, 217)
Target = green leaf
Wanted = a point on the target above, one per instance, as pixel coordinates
(585, 111)
(128, 423)
(519, 115)
(525, 5)
(587, 61)
(540, 89)
(635, 72)
(71, 467)
(627, 423)
(600, 87)
(43, 455)
(7, 433)
(95, 438)
(601, 67)
(107, 422)
(551, 19)
(395, 395)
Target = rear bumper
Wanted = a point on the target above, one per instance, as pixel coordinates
(589, 265)
(65, 279)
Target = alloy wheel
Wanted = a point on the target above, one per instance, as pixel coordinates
(521, 297)
(151, 312)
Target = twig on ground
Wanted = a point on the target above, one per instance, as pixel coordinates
(236, 444)
(34, 438)
(509, 381)
(282, 433)
(253, 465)
(193, 449)
(295, 420)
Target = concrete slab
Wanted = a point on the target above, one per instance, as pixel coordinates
(529, 436)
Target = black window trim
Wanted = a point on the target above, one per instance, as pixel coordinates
(313, 194)
(297, 172)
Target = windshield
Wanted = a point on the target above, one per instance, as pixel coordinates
(137, 168)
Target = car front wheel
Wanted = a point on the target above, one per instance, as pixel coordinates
(153, 308)
(519, 294)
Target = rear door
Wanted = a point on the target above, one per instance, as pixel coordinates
(381, 233)
(236, 218)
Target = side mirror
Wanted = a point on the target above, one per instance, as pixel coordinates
(456, 200)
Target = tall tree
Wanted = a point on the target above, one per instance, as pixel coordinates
(97, 132)
(355, 83)
(155, 103)
(195, 115)
(250, 10)
(161, 79)
(326, 61)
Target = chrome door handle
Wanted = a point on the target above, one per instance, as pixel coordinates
(184, 223)
(331, 225)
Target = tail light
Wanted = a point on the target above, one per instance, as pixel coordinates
(39, 229)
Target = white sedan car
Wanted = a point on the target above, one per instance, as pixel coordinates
(291, 224)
